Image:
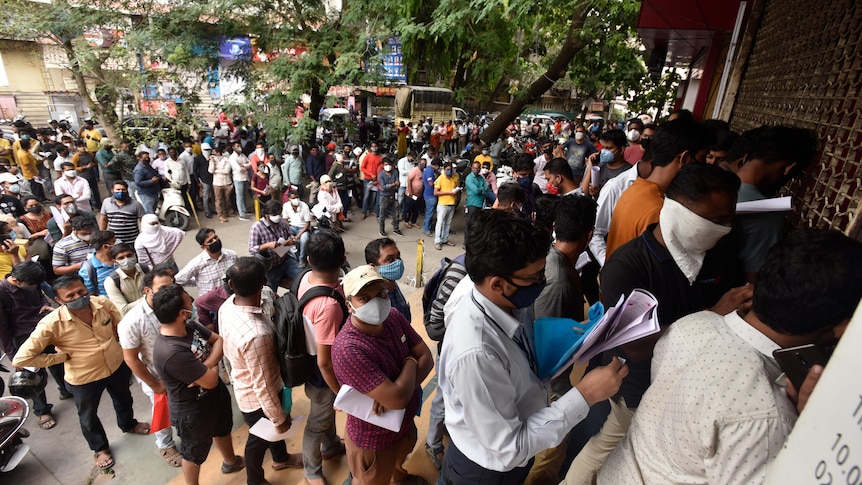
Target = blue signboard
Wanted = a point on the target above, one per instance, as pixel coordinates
(393, 61)
(235, 48)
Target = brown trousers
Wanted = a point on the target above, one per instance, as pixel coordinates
(380, 467)
(222, 199)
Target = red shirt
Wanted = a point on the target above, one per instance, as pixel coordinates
(363, 362)
(372, 165)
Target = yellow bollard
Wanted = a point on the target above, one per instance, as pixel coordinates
(420, 262)
(257, 208)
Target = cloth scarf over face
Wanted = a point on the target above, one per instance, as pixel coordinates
(688, 236)
(159, 241)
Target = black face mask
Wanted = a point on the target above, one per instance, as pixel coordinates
(215, 246)
(35, 209)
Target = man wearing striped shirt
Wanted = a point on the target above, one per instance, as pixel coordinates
(121, 213)
(207, 270)
(99, 266)
(71, 251)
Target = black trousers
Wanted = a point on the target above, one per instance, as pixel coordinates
(458, 469)
(87, 397)
(255, 449)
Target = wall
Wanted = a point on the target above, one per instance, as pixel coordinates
(25, 73)
(805, 69)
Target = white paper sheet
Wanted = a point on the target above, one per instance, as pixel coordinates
(778, 204)
(264, 429)
(360, 406)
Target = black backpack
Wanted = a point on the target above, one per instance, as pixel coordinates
(297, 366)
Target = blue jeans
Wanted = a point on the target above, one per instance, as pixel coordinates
(444, 220)
(288, 267)
(369, 197)
(241, 189)
(303, 242)
(430, 208)
(148, 201)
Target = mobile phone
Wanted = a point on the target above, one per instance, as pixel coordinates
(797, 361)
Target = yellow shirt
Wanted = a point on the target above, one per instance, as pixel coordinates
(16, 145)
(27, 163)
(5, 145)
(6, 259)
(89, 352)
(446, 184)
(92, 137)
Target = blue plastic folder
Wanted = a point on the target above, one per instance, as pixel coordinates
(557, 339)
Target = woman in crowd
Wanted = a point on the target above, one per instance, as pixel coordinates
(156, 244)
(329, 199)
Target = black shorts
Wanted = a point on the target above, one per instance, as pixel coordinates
(197, 427)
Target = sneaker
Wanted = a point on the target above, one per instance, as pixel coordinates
(383, 233)
(244, 218)
(398, 231)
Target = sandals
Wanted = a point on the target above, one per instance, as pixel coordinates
(140, 428)
(172, 456)
(293, 461)
(237, 465)
(104, 460)
(47, 421)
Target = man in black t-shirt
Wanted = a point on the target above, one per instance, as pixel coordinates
(186, 356)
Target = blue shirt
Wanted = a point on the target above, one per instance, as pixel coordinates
(143, 179)
(314, 167)
(399, 302)
(429, 175)
(100, 270)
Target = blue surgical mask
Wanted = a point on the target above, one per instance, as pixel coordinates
(525, 296)
(525, 181)
(392, 271)
(448, 172)
(606, 156)
(121, 196)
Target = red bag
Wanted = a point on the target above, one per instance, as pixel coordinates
(161, 415)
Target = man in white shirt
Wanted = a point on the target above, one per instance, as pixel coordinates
(239, 165)
(608, 197)
(298, 217)
(717, 410)
(498, 411)
(137, 333)
(78, 187)
(405, 165)
(62, 157)
(208, 269)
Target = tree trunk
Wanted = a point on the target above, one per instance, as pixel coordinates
(557, 69)
(104, 114)
(498, 89)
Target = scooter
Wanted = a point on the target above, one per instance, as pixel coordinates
(171, 208)
(13, 412)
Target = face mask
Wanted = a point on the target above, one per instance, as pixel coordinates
(374, 312)
(484, 171)
(260, 153)
(392, 271)
(448, 172)
(552, 189)
(35, 209)
(525, 296)
(127, 263)
(150, 228)
(633, 135)
(525, 181)
(70, 173)
(188, 149)
(388, 168)
(84, 237)
(71, 209)
(80, 303)
(294, 202)
(484, 152)
(215, 246)
(606, 156)
(12, 236)
(688, 236)
(14, 189)
(476, 172)
(275, 219)
(374, 149)
(207, 153)
(121, 196)
(194, 314)
(579, 136)
(162, 157)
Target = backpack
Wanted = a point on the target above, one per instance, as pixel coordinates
(433, 301)
(297, 366)
(91, 273)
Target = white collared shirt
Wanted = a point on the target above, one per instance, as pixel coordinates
(138, 329)
(498, 412)
(607, 201)
(715, 412)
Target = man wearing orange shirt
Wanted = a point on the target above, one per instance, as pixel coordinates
(370, 167)
(674, 144)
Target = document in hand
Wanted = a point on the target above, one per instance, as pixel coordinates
(361, 406)
(630, 319)
(777, 204)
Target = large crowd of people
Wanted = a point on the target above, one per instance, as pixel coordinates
(94, 293)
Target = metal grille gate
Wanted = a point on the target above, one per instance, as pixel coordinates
(805, 69)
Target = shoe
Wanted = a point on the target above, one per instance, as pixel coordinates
(451, 231)
(398, 231)
(347, 220)
(383, 233)
(438, 247)
(363, 217)
(244, 218)
(449, 243)
(429, 234)
(237, 465)
(209, 216)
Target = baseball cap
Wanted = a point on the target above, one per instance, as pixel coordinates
(7, 177)
(325, 178)
(359, 278)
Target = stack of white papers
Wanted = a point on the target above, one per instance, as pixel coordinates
(777, 204)
(264, 429)
(631, 319)
(361, 406)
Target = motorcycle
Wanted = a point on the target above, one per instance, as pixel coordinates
(13, 412)
(171, 208)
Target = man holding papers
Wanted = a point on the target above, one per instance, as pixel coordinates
(686, 265)
(249, 344)
(378, 354)
(498, 410)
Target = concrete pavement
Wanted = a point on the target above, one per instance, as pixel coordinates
(60, 456)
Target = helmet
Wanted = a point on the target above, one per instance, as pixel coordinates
(26, 384)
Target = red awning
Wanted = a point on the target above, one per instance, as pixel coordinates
(684, 27)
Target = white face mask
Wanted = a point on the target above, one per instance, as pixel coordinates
(84, 237)
(275, 219)
(70, 173)
(294, 202)
(374, 312)
(188, 149)
(260, 152)
(127, 263)
(579, 135)
(150, 228)
(633, 135)
(484, 171)
(688, 236)
(388, 168)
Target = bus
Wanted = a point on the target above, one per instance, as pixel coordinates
(412, 103)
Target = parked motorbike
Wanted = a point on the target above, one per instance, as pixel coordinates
(171, 208)
(13, 413)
